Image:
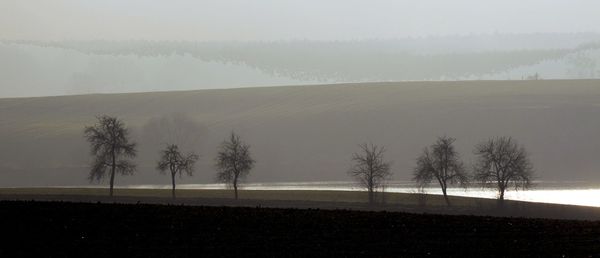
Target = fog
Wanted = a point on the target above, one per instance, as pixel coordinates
(269, 20)
(68, 47)
(29, 68)
(139, 46)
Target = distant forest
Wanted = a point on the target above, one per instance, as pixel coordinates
(176, 65)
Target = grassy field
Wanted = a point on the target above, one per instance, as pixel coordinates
(396, 202)
(62, 229)
(284, 195)
(308, 133)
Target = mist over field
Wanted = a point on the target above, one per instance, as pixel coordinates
(67, 47)
(29, 67)
(419, 70)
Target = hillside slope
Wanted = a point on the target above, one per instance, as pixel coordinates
(308, 133)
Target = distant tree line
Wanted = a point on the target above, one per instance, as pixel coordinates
(335, 61)
(501, 163)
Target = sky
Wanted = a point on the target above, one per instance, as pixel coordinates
(270, 20)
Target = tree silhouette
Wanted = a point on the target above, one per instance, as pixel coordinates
(442, 163)
(502, 163)
(172, 160)
(233, 161)
(369, 169)
(109, 140)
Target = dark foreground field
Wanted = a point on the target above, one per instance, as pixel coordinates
(86, 229)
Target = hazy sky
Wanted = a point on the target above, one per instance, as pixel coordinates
(287, 19)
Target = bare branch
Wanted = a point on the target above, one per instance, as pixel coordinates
(370, 169)
(109, 143)
(440, 162)
(503, 164)
(233, 161)
(172, 160)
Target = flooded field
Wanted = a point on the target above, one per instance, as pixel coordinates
(574, 193)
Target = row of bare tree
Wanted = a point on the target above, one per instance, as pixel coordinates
(113, 151)
(501, 164)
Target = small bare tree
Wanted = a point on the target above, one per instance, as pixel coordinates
(111, 147)
(442, 163)
(369, 169)
(175, 162)
(233, 162)
(502, 163)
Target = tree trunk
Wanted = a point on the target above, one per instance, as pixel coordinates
(112, 171)
(112, 181)
(501, 198)
(112, 174)
(173, 183)
(371, 187)
(446, 197)
(235, 187)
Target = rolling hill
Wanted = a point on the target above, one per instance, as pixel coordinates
(308, 133)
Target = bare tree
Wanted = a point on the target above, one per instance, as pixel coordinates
(175, 162)
(111, 147)
(502, 163)
(233, 161)
(369, 169)
(440, 162)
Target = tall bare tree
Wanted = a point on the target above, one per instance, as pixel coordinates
(369, 169)
(172, 160)
(440, 162)
(502, 163)
(233, 161)
(111, 146)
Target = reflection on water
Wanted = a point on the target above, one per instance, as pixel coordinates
(576, 193)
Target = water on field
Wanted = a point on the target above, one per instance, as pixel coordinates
(575, 193)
